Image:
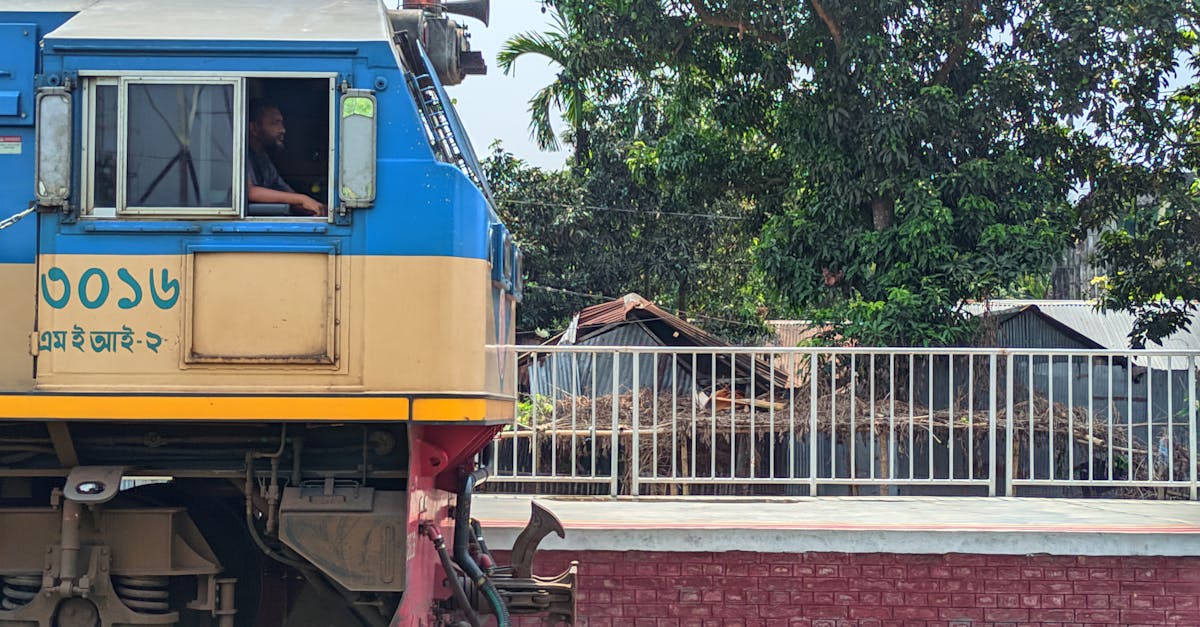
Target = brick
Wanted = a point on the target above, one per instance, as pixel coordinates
(1101, 587)
(870, 612)
(651, 610)
(1054, 587)
(690, 611)
(1051, 601)
(1016, 587)
(1141, 587)
(962, 600)
(781, 611)
(1177, 588)
(1005, 614)
(940, 599)
(873, 570)
(1143, 616)
(845, 598)
(827, 611)
(1098, 616)
(985, 600)
(1008, 600)
(1051, 615)
(960, 613)
(871, 584)
(1186, 602)
(1164, 603)
(915, 613)
(734, 611)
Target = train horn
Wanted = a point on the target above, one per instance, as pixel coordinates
(478, 9)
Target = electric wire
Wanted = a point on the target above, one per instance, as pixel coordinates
(627, 210)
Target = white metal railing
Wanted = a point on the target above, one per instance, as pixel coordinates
(775, 421)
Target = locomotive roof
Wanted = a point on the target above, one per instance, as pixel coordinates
(46, 6)
(274, 20)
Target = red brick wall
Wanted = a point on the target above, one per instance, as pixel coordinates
(650, 589)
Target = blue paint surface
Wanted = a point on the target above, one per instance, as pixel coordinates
(19, 34)
(423, 207)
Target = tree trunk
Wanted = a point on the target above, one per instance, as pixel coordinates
(883, 212)
(682, 303)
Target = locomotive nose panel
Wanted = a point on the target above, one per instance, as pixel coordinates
(262, 308)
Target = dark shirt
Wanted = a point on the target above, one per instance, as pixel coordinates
(260, 171)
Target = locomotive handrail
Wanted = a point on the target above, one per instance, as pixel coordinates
(460, 142)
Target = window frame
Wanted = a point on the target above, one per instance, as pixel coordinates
(237, 148)
(91, 80)
(91, 88)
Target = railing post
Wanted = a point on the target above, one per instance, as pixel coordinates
(614, 462)
(992, 390)
(1192, 424)
(1009, 426)
(634, 459)
(812, 425)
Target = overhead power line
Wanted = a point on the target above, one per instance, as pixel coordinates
(682, 214)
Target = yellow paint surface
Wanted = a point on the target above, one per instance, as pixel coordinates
(258, 408)
(16, 323)
(402, 325)
(122, 407)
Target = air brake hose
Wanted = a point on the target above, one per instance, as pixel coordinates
(460, 595)
(462, 539)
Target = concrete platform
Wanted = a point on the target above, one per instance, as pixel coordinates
(1009, 526)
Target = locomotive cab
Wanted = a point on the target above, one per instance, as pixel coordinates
(228, 407)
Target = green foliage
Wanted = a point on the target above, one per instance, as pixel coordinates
(1151, 245)
(899, 157)
(603, 231)
(538, 406)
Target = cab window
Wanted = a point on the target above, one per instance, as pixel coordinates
(179, 147)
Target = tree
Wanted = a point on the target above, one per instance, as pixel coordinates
(566, 93)
(930, 152)
(608, 226)
(1151, 234)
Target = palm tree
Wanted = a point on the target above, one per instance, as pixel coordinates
(565, 93)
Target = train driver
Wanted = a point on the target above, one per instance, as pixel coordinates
(265, 134)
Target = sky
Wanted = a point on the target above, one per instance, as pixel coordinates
(496, 106)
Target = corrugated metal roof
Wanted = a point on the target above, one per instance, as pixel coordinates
(1106, 329)
(790, 333)
(631, 307)
(664, 328)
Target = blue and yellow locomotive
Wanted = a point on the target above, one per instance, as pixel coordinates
(308, 375)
